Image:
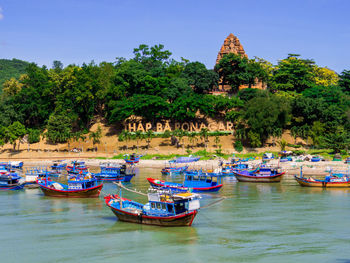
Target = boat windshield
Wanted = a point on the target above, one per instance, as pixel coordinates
(181, 207)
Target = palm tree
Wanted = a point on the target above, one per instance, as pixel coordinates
(77, 136)
(282, 143)
(276, 132)
(138, 136)
(125, 136)
(192, 136)
(177, 134)
(217, 140)
(96, 136)
(204, 135)
(149, 136)
(294, 133)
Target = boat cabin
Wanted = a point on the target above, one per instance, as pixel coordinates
(167, 204)
(201, 180)
(9, 179)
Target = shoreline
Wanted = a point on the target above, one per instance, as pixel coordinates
(291, 168)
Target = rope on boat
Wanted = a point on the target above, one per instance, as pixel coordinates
(214, 203)
(128, 189)
(141, 193)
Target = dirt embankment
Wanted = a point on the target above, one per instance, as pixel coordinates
(109, 146)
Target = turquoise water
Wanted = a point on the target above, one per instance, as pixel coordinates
(255, 223)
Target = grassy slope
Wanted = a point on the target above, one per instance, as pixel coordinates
(11, 69)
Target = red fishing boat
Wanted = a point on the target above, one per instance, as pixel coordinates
(162, 209)
(77, 187)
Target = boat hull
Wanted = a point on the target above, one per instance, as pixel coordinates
(92, 192)
(259, 179)
(309, 183)
(12, 187)
(171, 221)
(182, 188)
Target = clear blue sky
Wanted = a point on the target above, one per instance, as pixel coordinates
(77, 31)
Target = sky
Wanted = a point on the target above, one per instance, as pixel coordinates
(77, 31)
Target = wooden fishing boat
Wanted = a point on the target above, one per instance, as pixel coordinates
(58, 166)
(331, 182)
(115, 173)
(315, 159)
(194, 182)
(262, 175)
(132, 159)
(10, 181)
(77, 167)
(173, 170)
(83, 186)
(163, 209)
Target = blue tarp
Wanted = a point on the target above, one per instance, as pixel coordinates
(185, 160)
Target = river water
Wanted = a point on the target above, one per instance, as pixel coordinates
(255, 223)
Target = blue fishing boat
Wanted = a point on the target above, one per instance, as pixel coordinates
(268, 156)
(263, 174)
(58, 166)
(194, 182)
(78, 186)
(286, 159)
(10, 181)
(115, 173)
(315, 159)
(188, 159)
(335, 179)
(163, 209)
(77, 167)
(132, 159)
(12, 165)
(169, 170)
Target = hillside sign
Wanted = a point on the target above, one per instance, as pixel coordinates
(185, 126)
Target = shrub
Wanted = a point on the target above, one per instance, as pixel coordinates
(238, 146)
(33, 136)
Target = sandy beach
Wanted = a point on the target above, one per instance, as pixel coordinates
(291, 168)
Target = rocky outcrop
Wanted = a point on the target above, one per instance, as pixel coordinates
(231, 45)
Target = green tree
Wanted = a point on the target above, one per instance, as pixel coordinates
(316, 133)
(238, 146)
(18, 130)
(236, 70)
(265, 116)
(96, 136)
(59, 128)
(344, 80)
(337, 140)
(293, 74)
(282, 143)
(192, 137)
(33, 136)
(204, 134)
(125, 136)
(217, 140)
(200, 78)
(149, 135)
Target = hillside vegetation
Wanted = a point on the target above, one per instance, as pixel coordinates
(310, 101)
(11, 69)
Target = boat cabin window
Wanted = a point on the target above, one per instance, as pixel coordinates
(202, 178)
(153, 205)
(180, 207)
(158, 206)
(163, 207)
(170, 208)
(195, 178)
(189, 177)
